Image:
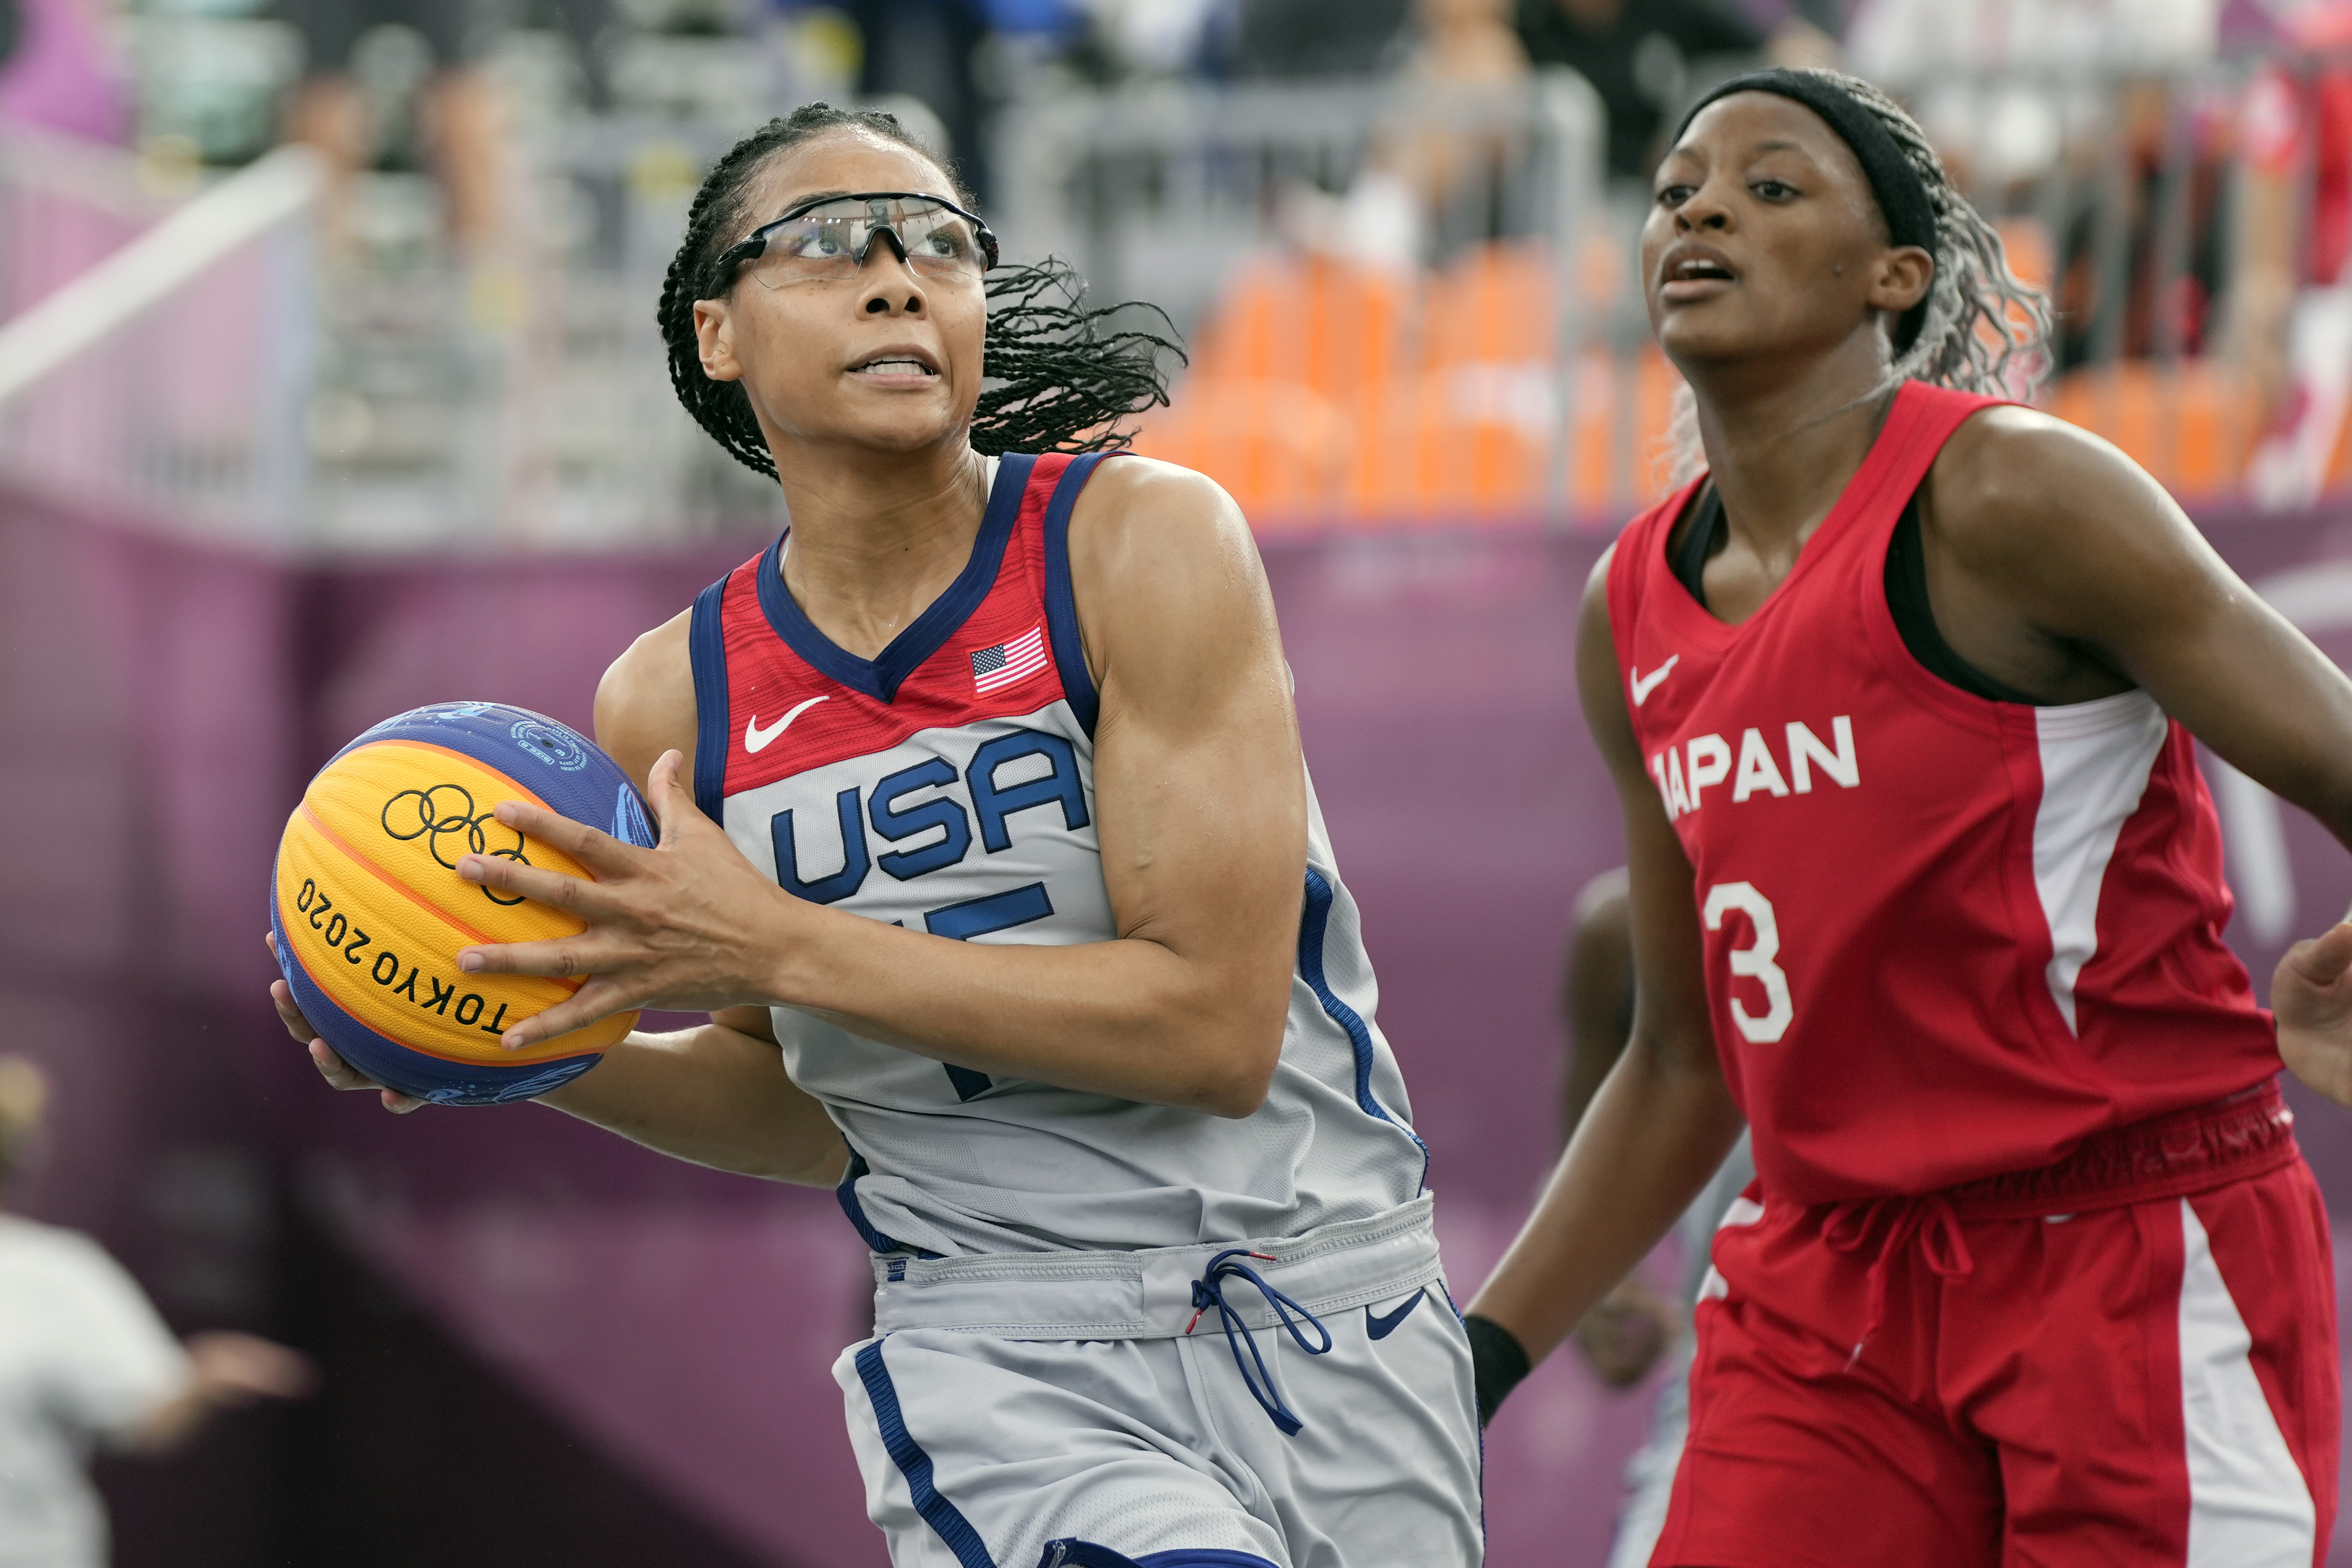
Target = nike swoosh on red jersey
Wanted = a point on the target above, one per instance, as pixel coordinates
(1645, 684)
(756, 739)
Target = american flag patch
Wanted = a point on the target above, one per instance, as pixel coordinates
(1008, 662)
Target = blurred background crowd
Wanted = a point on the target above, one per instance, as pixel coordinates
(329, 385)
(1398, 233)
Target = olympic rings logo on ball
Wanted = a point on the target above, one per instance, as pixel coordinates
(445, 817)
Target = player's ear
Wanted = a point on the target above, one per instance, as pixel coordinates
(714, 337)
(1905, 274)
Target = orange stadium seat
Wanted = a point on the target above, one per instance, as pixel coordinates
(1467, 438)
(1321, 392)
(1279, 447)
(1292, 365)
(1335, 328)
(2189, 425)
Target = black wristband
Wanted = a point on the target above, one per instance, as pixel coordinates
(1498, 1361)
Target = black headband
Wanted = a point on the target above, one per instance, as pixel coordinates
(1902, 194)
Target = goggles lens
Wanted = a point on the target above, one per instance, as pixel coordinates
(830, 240)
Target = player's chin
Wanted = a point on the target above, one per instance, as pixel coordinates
(1704, 332)
(912, 421)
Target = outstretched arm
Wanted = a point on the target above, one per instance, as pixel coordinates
(716, 1096)
(1663, 1120)
(1201, 810)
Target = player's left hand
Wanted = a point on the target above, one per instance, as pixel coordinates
(2311, 995)
(691, 926)
(1623, 1337)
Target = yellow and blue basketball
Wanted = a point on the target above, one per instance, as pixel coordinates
(370, 913)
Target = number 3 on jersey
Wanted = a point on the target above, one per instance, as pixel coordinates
(1754, 963)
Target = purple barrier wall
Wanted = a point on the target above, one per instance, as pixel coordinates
(163, 705)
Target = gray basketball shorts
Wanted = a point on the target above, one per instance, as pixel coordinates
(1301, 1401)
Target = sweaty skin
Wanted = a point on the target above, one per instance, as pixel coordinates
(1200, 784)
(2054, 564)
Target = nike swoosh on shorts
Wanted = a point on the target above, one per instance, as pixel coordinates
(1381, 1327)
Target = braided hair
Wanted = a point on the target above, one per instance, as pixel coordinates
(1065, 377)
(1984, 330)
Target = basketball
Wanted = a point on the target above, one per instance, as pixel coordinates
(370, 913)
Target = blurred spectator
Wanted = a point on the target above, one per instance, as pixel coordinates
(1646, 57)
(85, 1360)
(1429, 187)
(927, 49)
(2293, 322)
(1913, 43)
(2084, 91)
(1289, 38)
(2004, 89)
(394, 86)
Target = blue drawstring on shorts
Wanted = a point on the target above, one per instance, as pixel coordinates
(1208, 1291)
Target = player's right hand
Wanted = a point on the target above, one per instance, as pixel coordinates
(339, 1073)
(2311, 998)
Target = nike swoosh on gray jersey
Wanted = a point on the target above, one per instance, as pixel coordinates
(1382, 1327)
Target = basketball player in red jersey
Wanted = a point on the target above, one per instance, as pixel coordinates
(1898, 698)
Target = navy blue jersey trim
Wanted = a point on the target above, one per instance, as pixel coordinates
(1062, 599)
(1072, 1552)
(706, 647)
(846, 1194)
(881, 677)
(1312, 925)
(915, 1464)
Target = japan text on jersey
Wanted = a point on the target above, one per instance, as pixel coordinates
(1945, 937)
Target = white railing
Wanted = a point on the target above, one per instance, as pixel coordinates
(158, 362)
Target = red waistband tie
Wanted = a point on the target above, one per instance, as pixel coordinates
(1929, 1219)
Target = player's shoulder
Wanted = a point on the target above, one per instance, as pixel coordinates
(645, 703)
(2009, 476)
(1146, 527)
(1596, 582)
(1146, 503)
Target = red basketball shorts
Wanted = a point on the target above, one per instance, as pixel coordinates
(2125, 1359)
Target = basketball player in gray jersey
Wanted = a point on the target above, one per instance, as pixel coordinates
(1030, 898)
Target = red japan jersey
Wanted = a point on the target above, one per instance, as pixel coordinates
(1945, 937)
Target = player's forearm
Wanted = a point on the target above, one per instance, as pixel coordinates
(1655, 1133)
(1129, 1018)
(713, 1096)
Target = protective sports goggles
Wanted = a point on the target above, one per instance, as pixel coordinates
(828, 238)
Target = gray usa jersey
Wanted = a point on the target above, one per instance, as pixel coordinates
(947, 786)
